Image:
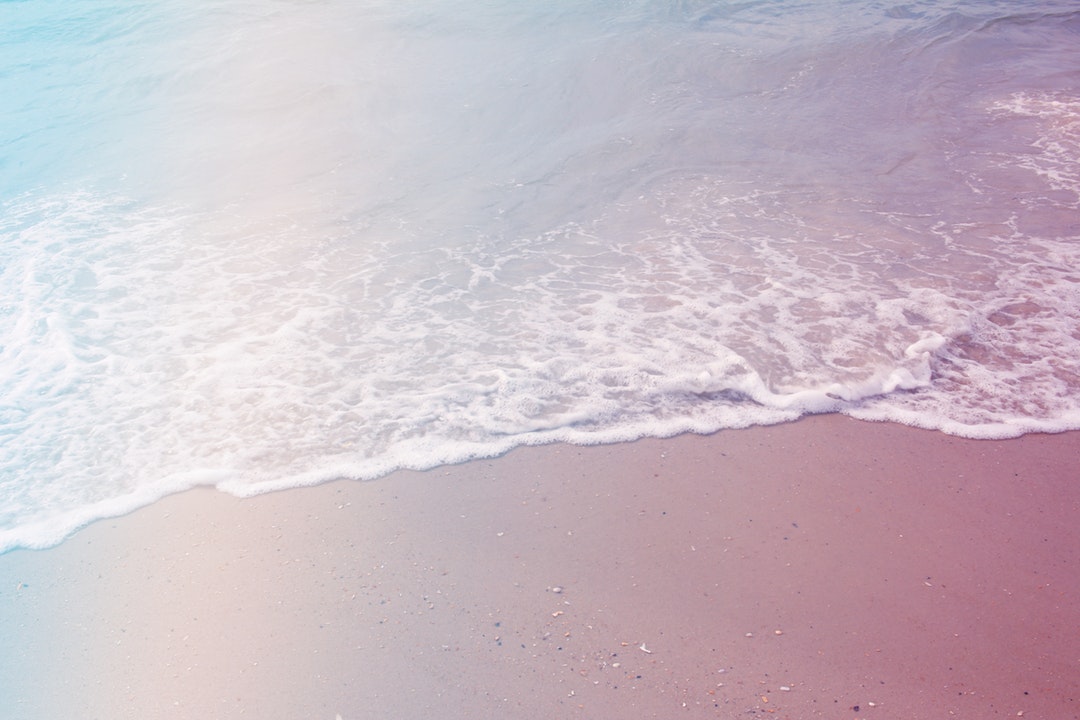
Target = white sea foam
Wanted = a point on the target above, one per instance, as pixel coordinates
(395, 269)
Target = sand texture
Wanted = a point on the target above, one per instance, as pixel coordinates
(826, 568)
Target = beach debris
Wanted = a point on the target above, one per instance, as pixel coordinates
(644, 649)
(557, 589)
(778, 632)
(557, 613)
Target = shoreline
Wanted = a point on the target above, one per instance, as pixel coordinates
(903, 572)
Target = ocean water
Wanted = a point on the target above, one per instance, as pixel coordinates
(265, 244)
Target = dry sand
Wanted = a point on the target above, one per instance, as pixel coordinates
(827, 568)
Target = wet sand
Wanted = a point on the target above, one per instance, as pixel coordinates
(826, 568)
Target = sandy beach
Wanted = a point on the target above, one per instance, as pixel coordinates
(825, 568)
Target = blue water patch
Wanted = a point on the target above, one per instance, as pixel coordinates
(260, 245)
(78, 82)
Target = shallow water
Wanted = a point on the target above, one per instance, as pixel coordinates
(265, 244)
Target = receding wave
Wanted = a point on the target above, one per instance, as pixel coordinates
(355, 239)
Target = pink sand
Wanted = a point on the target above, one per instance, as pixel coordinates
(826, 568)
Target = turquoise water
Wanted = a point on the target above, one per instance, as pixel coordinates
(261, 245)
